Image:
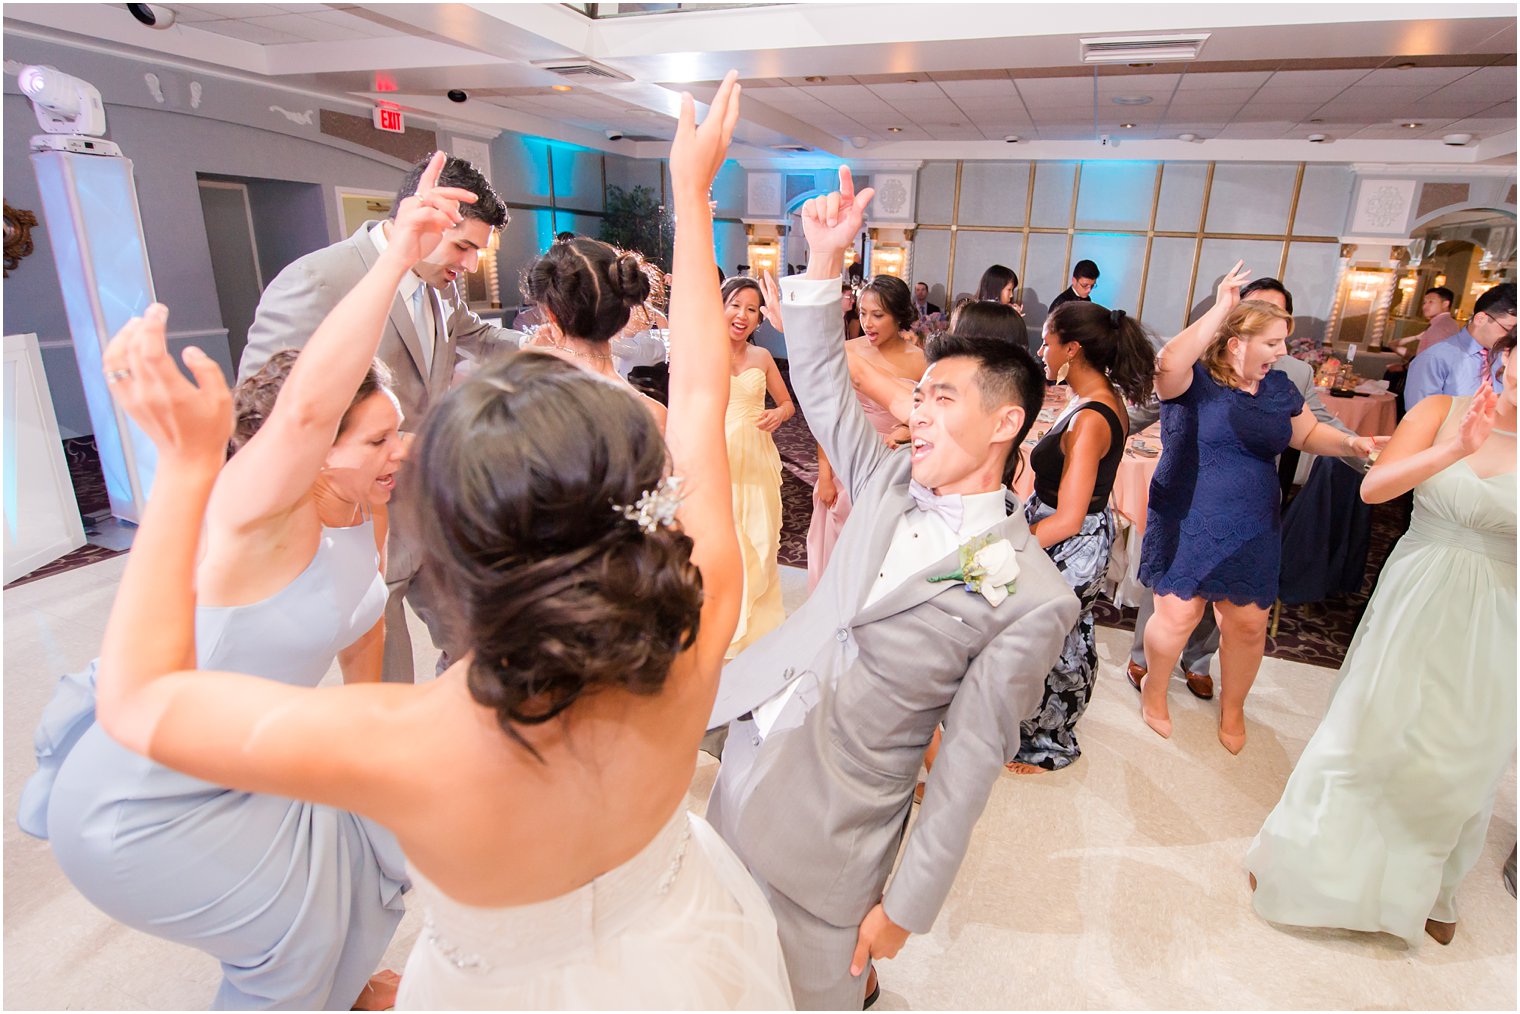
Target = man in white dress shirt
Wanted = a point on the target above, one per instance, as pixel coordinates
(830, 713)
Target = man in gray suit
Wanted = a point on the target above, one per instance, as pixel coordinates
(430, 324)
(1201, 650)
(833, 710)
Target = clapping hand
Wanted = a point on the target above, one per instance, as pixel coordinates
(1228, 293)
(771, 307)
(832, 222)
(422, 218)
(189, 423)
(698, 151)
(1478, 421)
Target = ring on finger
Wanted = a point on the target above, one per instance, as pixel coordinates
(112, 376)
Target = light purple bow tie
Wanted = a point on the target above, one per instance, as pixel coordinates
(948, 507)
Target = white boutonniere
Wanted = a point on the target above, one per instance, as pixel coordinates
(988, 569)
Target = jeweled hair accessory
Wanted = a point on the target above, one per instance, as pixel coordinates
(655, 508)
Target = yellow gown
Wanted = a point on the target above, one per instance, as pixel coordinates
(755, 473)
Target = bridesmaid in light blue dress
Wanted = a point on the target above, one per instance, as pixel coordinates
(1388, 807)
(297, 900)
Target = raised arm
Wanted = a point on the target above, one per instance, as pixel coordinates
(247, 733)
(1414, 454)
(815, 336)
(699, 375)
(1174, 363)
(276, 469)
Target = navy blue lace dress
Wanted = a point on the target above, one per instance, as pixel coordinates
(1213, 527)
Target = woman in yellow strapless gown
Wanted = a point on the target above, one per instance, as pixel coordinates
(754, 463)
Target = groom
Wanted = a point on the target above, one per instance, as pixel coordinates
(832, 711)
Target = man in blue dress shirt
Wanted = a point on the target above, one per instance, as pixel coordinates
(1456, 365)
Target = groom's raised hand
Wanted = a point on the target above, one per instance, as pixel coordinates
(831, 223)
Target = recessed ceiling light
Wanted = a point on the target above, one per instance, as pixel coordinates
(559, 88)
(1126, 126)
(1138, 66)
(1317, 120)
(894, 130)
(1406, 65)
(1412, 126)
(815, 79)
(1132, 100)
(1187, 137)
(912, 80)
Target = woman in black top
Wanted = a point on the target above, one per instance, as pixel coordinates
(1104, 356)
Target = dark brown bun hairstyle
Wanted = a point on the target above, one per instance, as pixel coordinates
(554, 592)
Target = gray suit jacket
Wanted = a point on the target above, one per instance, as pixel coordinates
(827, 799)
(308, 288)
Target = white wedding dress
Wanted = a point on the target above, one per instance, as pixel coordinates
(680, 926)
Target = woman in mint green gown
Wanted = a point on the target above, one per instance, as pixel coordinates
(1387, 808)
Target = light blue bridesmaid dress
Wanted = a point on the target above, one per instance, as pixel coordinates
(297, 901)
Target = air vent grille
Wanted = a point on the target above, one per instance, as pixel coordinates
(1143, 48)
(582, 70)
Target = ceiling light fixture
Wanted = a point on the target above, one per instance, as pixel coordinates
(1141, 66)
(1126, 126)
(1187, 137)
(1132, 48)
(894, 130)
(1011, 138)
(455, 95)
(1317, 120)
(1412, 126)
(815, 79)
(559, 88)
(1132, 100)
(1406, 65)
(1318, 138)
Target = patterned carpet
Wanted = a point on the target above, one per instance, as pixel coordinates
(1317, 633)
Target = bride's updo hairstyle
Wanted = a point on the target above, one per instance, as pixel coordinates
(555, 592)
(589, 286)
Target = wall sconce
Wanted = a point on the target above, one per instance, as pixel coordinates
(1364, 284)
(888, 260)
(763, 257)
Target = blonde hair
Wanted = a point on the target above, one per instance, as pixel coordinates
(1249, 319)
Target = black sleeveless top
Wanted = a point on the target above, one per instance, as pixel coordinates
(1049, 461)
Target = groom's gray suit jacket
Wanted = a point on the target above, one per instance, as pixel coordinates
(820, 813)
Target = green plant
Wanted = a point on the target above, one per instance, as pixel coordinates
(634, 220)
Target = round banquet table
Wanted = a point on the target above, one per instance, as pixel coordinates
(1369, 416)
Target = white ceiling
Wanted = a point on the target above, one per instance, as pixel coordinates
(954, 79)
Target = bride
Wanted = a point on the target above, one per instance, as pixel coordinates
(537, 787)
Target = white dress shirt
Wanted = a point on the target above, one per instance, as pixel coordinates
(418, 297)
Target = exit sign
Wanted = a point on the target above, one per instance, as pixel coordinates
(389, 119)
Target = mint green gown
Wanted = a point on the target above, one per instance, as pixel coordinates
(1388, 807)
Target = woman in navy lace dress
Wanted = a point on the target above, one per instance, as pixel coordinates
(1213, 529)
